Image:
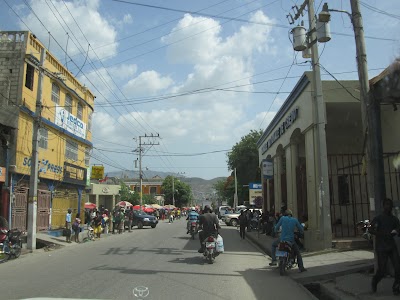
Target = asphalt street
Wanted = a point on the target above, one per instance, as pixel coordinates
(164, 259)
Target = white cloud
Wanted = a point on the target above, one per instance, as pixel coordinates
(127, 19)
(123, 71)
(147, 83)
(96, 28)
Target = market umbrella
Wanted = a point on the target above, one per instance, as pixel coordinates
(136, 207)
(90, 205)
(148, 210)
(124, 204)
(156, 206)
(169, 206)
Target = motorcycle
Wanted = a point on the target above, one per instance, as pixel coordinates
(287, 258)
(10, 244)
(365, 227)
(210, 252)
(193, 228)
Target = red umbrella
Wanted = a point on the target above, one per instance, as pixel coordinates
(148, 210)
(136, 207)
(124, 204)
(89, 205)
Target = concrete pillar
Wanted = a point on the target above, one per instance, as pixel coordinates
(97, 200)
(291, 182)
(268, 202)
(277, 181)
(113, 201)
(313, 234)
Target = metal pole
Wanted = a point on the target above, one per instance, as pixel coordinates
(325, 231)
(33, 180)
(140, 172)
(235, 199)
(173, 191)
(370, 113)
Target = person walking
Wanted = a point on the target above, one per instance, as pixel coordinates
(97, 225)
(385, 227)
(243, 223)
(76, 227)
(68, 226)
(130, 217)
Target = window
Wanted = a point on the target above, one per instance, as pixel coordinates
(43, 137)
(344, 189)
(87, 156)
(79, 114)
(55, 93)
(153, 190)
(90, 116)
(71, 150)
(68, 103)
(30, 74)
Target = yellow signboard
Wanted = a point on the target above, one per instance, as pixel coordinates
(97, 172)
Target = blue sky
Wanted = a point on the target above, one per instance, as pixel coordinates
(199, 81)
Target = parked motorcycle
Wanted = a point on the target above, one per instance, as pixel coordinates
(193, 228)
(286, 256)
(10, 244)
(365, 227)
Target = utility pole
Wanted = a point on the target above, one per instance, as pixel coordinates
(173, 190)
(33, 179)
(140, 161)
(370, 112)
(235, 197)
(324, 232)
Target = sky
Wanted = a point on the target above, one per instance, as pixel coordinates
(200, 74)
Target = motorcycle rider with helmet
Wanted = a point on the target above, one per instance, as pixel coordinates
(288, 224)
(209, 222)
(192, 216)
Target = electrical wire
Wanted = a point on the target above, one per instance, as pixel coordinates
(377, 10)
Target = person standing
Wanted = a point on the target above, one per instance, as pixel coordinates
(385, 227)
(243, 223)
(68, 226)
(120, 220)
(130, 216)
(76, 227)
(97, 224)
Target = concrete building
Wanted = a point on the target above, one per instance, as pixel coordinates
(289, 143)
(104, 194)
(65, 132)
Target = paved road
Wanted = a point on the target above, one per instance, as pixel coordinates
(163, 259)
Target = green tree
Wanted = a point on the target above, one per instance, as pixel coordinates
(183, 192)
(126, 194)
(244, 157)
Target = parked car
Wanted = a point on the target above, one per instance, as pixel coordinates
(141, 219)
(233, 219)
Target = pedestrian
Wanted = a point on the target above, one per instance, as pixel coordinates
(385, 226)
(120, 220)
(68, 226)
(242, 224)
(76, 227)
(157, 214)
(130, 217)
(97, 225)
(249, 215)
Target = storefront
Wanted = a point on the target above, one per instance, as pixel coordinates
(289, 146)
(106, 195)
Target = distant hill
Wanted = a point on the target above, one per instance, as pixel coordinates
(202, 188)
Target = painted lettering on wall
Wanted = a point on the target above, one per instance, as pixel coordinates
(290, 119)
(44, 166)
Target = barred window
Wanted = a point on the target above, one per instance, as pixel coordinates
(79, 114)
(90, 116)
(71, 150)
(68, 103)
(30, 74)
(87, 156)
(55, 93)
(43, 137)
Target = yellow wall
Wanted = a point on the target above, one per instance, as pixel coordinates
(62, 200)
(53, 157)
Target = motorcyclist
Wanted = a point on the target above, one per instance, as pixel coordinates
(209, 222)
(192, 216)
(288, 224)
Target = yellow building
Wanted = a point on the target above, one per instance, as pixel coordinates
(64, 134)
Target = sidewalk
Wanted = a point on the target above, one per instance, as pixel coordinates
(337, 274)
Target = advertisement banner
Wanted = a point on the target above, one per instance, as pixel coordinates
(74, 174)
(69, 122)
(2, 174)
(255, 192)
(97, 172)
(268, 168)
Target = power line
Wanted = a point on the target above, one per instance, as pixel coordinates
(377, 10)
